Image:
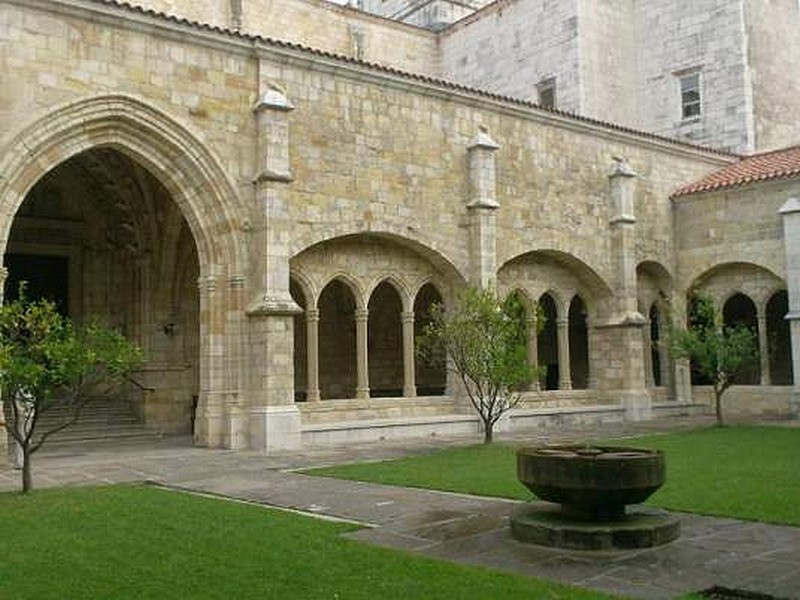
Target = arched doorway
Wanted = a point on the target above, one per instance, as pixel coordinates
(740, 311)
(431, 373)
(337, 341)
(385, 342)
(548, 343)
(300, 343)
(578, 344)
(103, 238)
(207, 200)
(657, 360)
(779, 343)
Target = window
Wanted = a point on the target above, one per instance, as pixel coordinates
(546, 89)
(690, 95)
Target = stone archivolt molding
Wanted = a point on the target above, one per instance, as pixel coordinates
(187, 169)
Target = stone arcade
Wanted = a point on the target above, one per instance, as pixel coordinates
(272, 220)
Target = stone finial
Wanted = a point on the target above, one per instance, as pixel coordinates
(273, 98)
(621, 167)
(483, 140)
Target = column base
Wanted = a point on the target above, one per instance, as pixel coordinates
(637, 404)
(208, 426)
(237, 429)
(274, 428)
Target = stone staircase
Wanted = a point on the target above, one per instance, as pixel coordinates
(101, 420)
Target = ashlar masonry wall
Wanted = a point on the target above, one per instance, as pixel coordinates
(316, 148)
(317, 24)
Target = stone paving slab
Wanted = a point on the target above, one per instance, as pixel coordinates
(456, 527)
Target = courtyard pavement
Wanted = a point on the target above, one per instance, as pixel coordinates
(467, 529)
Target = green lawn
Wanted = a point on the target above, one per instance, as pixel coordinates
(141, 542)
(744, 472)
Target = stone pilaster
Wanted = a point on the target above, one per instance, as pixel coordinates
(209, 415)
(274, 418)
(790, 212)
(409, 376)
(627, 322)
(482, 207)
(4, 448)
(236, 425)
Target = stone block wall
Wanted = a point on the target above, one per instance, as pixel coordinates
(731, 227)
(317, 24)
(773, 35)
(510, 46)
(709, 35)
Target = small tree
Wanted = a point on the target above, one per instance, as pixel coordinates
(485, 340)
(719, 353)
(45, 362)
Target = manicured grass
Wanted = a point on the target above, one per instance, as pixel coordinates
(140, 542)
(743, 472)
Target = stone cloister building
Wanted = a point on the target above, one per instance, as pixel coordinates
(272, 221)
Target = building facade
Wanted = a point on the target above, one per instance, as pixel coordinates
(272, 220)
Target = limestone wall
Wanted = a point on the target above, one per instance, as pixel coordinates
(318, 24)
(707, 35)
(609, 59)
(773, 33)
(510, 46)
(731, 227)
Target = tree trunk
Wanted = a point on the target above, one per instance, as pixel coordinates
(718, 406)
(27, 479)
(488, 432)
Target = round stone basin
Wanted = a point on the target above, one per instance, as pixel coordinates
(591, 483)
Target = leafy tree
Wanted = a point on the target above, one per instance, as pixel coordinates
(719, 353)
(485, 339)
(46, 362)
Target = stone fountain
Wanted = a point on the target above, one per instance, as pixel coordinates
(594, 486)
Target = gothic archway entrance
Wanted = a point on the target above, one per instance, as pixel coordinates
(101, 236)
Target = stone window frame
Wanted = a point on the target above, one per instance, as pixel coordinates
(690, 81)
(546, 93)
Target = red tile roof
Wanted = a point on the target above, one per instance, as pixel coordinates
(442, 83)
(777, 164)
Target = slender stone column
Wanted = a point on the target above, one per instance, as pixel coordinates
(482, 208)
(362, 353)
(312, 355)
(409, 376)
(790, 212)
(763, 346)
(564, 366)
(533, 348)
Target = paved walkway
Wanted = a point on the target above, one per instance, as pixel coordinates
(734, 554)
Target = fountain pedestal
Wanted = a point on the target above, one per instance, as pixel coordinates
(593, 486)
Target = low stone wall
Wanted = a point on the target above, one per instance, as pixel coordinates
(748, 401)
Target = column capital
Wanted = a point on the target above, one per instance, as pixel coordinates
(312, 315)
(273, 99)
(407, 316)
(361, 314)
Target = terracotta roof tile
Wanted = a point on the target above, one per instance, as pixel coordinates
(777, 164)
(122, 4)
